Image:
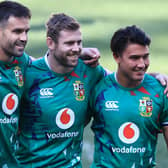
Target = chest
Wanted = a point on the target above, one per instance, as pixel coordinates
(59, 100)
(120, 106)
(11, 86)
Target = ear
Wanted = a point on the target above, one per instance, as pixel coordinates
(50, 43)
(116, 57)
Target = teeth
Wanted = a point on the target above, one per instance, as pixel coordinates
(140, 70)
(73, 56)
(20, 45)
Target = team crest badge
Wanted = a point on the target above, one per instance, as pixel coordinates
(79, 90)
(145, 107)
(19, 76)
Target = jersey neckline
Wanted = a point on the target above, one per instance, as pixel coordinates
(125, 88)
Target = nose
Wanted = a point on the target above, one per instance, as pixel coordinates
(141, 63)
(23, 36)
(76, 47)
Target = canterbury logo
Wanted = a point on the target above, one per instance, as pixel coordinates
(112, 104)
(46, 92)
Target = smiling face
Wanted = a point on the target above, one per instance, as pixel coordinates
(66, 51)
(13, 35)
(132, 65)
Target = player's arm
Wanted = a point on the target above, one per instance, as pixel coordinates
(163, 79)
(165, 132)
(90, 56)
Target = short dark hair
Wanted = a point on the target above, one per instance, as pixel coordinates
(59, 22)
(9, 8)
(128, 35)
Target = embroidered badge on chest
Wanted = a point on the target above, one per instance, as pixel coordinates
(145, 107)
(18, 76)
(79, 90)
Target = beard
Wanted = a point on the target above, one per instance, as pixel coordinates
(13, 51)
(68, 59)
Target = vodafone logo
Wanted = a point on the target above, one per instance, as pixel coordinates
(10, 103)
(65, 118)
(128, 132)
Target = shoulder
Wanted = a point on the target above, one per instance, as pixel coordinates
(38, 64)
(152, 83)
(107, 80)
(105, 83)
(24, 59)
(97, 71)
(36, 69)
(89, 68)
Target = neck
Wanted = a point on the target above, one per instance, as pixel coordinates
(5, 58)
(126, 81)
(55, 66)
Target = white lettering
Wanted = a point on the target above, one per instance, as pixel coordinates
(111, 104)
(131, 149)
(62, 135)
(8, 120)
(46, 92)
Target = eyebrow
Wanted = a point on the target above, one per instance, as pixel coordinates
(134, 55)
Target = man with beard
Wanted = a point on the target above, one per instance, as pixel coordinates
(55, 102)
(14, 27)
